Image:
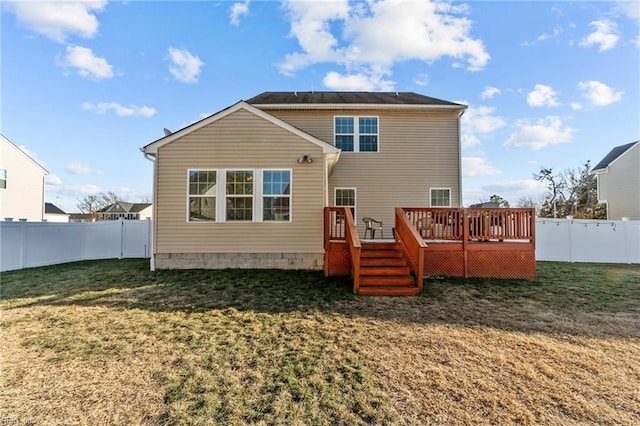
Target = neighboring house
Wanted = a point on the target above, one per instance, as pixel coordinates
(125, 210)
(53, 213)
(21, 184)
(618, 176)
(246, 187)
(82, 217)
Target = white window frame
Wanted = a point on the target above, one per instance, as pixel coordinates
(216, 196)
(439, 189)
(263, 195)
(356, 132)
(226, 196)
(3, 178)
(355, 200)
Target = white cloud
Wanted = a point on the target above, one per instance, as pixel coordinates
(121, 111)
(350, 35)
(421, 80)
(605, 35)
(576, 106)
(598, 93)
(477, 166)
(544, 36)
(185, 66)
(52, 180)
(33, 155)
(541, 96)
(78, 169)
(514, 190)
(238, 10)
(628, 8)
(544, 132)
(58, 20)
(489, 92)
(357, 82)
(86, 63)
(478, 120)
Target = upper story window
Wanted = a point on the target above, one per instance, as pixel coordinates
(202, 194)
(440, 197)
(356, 134)
(3, 178)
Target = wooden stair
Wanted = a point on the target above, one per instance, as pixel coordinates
(384, 272)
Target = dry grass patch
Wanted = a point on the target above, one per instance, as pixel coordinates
(109, 342)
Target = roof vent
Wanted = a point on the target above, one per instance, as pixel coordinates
(295, 93)
(397, 94)
(167, 132)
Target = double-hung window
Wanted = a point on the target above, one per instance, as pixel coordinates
(276, 195)
(239, 195)
(356, 134)
(440, 197)
(202, 194)
(346, 197)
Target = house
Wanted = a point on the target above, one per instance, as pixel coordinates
(125, 210)
(246, 186)
(21, 184)
(618, 178)
(53, 213)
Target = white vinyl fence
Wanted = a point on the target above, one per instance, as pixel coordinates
(577, 240)
(29, 244)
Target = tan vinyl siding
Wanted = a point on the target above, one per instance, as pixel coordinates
(620, 186)
(417, 151)
(239, 141)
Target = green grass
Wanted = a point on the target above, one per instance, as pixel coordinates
(109, 342)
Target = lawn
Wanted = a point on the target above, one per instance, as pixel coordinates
(108, 342)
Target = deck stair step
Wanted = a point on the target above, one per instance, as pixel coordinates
(377, 281)
(390, 291)
(367, 254)
(384, 271)
(382, 261)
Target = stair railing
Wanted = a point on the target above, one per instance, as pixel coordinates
(354, 246)
(411, 244)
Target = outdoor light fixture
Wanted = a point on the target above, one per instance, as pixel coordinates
(305, 159)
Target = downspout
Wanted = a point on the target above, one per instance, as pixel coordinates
(152, 251)
(460, 156)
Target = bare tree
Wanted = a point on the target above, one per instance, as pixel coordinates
(571, 192)
(92, 203)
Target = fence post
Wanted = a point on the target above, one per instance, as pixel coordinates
(122, 238)
(570, 223)
(23, 244)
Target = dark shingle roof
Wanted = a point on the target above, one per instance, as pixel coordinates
(361, 98)
(138, 207)
(124, 207)
(612, 155)
(52, 209)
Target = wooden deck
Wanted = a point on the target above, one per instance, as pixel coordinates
(432, 242)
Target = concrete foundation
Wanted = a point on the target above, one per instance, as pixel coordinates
(311, 261)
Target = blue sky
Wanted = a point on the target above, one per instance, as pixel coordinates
(85, 85)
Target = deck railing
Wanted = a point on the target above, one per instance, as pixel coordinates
(479, 224)
(334, 224)
(340, 226)
(411, 243)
